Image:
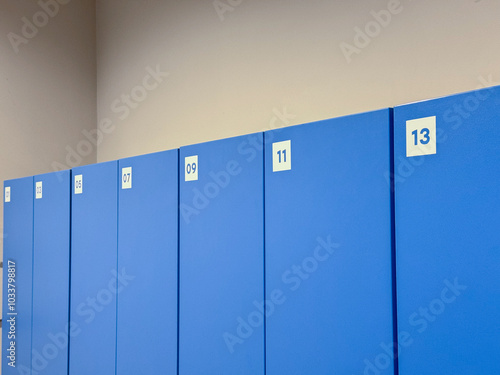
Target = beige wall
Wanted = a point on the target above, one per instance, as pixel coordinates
(171, 73)
(48, 86)
(230, 75)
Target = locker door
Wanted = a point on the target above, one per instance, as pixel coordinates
(221, 257)
(95, 280)
(51, 254)
(147, 252)
(17, 276)
(447, 173)
(328, 247)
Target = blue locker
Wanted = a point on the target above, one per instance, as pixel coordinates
(447, 173)
(147, 254)
(51, 254)
(329, 247)
(95, 280)
(17, 276)
(221, 257)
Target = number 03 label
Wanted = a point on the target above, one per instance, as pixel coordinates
(38, 191)
(421, 136)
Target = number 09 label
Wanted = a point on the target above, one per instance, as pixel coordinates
(191, 168)
(421, 136)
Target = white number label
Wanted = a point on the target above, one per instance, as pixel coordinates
(7, 194)
(127, 178)
(79, 184)
(421, 136)
(282, 156)
(38, 192)
(191, 168)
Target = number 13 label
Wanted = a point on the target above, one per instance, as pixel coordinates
(421, 136)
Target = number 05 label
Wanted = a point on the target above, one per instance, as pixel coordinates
(421, 136)
(79, 184)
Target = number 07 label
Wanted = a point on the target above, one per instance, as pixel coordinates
(421, 136)
(127, 178)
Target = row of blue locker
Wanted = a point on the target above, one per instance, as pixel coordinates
(361, 245)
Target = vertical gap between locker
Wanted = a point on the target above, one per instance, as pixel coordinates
(69, 265)
(33, 189)
(264, 243)
(178, 251)
(393, 246)
(117, 180)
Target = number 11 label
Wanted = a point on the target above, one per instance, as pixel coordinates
(421, 136)
(282, 156)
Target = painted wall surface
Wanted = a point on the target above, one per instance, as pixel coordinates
(48, 81)
(173, 73)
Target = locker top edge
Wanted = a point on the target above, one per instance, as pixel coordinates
(242, 137)
(384, 111)
(494, 89)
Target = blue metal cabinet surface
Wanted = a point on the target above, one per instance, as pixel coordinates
(447, 173)
(51, 256)
(147, 254)
(17, 276)
(329, 247)
(221, 257)
(95, 280)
